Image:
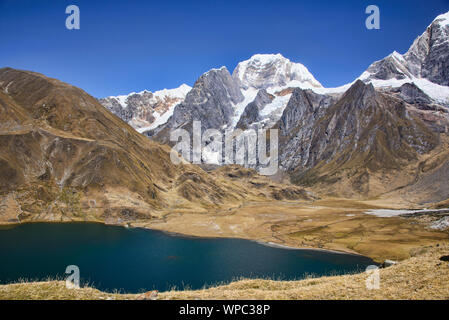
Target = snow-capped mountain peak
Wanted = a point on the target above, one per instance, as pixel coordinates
(229, 101)
(179, 92)
(396, 55)
(263, 71)
(442, 19)
(425, 64)
(146, 109)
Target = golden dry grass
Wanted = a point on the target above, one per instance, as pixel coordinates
(54, 290)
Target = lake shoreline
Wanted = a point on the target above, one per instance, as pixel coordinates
(261, 242)
(332, 225)
(282, 246)
(187, 236)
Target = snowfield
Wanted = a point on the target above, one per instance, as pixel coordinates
(388, 213)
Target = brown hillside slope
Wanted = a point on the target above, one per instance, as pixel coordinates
(65, 157)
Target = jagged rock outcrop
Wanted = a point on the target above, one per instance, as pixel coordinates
(136, 106)
(210, 101)
(410, 93)
(251, 113)
(391, 67)
(435, 116)
(428, 57)
(302, 105)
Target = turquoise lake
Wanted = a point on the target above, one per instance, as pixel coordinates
(134, 259)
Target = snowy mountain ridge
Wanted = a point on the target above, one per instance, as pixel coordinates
(263, 71)
(145, 110)
(425, 65)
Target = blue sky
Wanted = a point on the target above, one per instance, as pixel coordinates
(126, 46)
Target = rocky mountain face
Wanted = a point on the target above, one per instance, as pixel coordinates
(302, 102)
(65, 157)
(251, 114)
(427, 58)
(211, 100)
(391, 67)
(410, 93)
(363, 133)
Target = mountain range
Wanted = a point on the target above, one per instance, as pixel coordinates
(425, 65)
(354, 140)
(65, 155)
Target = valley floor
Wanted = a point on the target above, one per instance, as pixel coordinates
(331, 224)
(423, 276)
